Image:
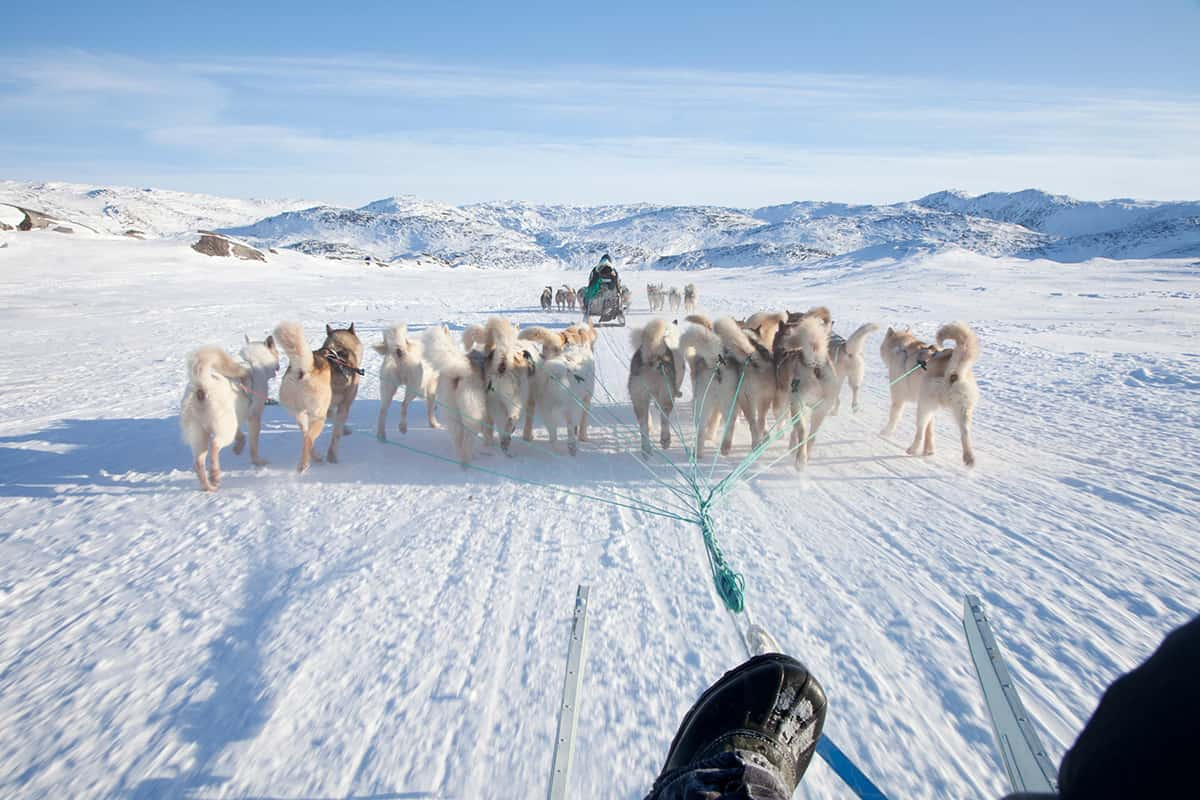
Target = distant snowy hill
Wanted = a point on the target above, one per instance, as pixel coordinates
(404, 229)
(1081, 229)
(151, 212)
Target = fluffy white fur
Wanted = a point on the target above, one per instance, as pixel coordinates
(655, 377)
(851, 366)
(404, 365)
(714, 381)
(208, 415)
(756, 371)
(807, 381)
(460, 388)
(563, 383)
(263, 361)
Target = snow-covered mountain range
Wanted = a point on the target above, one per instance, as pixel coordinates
(406, 229)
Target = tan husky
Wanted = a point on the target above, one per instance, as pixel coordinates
(344, 352)
(208, 417)
(305, 389)
(949, 383)
(902, 352)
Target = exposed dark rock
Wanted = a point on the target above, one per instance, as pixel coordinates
(214, 244)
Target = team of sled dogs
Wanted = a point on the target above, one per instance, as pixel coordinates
(660, 297)
(789, 365)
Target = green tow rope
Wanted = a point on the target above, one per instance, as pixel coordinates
(730, 585)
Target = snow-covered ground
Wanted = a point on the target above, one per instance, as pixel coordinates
(393, 626)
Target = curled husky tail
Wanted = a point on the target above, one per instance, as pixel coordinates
(207, 360)
(966, 346)
(500, 333)
(291, 338)
(700, 342)
(443, 354)
(701, 320)
(854, 345)
(543, 336)
(733, 337)
(652, 339)
(473, 335)
(810, 337)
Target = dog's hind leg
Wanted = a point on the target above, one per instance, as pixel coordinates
(893, 416)
(214, 469)
(641, 410)
(239, 442)
(198, 461)
(664, 412)
(255, 426)
(340, 428)
(387, 390)
(963, 418)
(583, 418)
(527, 431)
(924, 435)
(430, 403)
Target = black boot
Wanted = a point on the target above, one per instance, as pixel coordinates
(769, 711)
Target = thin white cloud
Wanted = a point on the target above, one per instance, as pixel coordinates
(598, 134)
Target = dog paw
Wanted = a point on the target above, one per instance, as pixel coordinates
(573, 449)
(259, 462)
(912, 451)
(331, 458)
(969, 461)
(346, 431)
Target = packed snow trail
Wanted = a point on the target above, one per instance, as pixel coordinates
(393, 624)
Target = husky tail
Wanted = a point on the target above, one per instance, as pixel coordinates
(209, 359)
(966, 346)
(854, 345)
(443, 353)
(291, 338)
(652, 339)
(701, 320)
(734, 338)
(543, 336)
(700, 342)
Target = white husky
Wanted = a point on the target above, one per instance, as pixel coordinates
(484, 389)
(847, 356)
(404, 365)
(715, 375)
(460, 388)
(562, 385)
(806, 379)
(655, 376)
(263, 360)
(208, 416)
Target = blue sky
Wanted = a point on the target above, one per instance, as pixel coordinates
(738, 104)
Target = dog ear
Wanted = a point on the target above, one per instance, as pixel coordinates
(246, 337)
(352, 327)
(270, 343)
(328, 329)
(529, 361)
